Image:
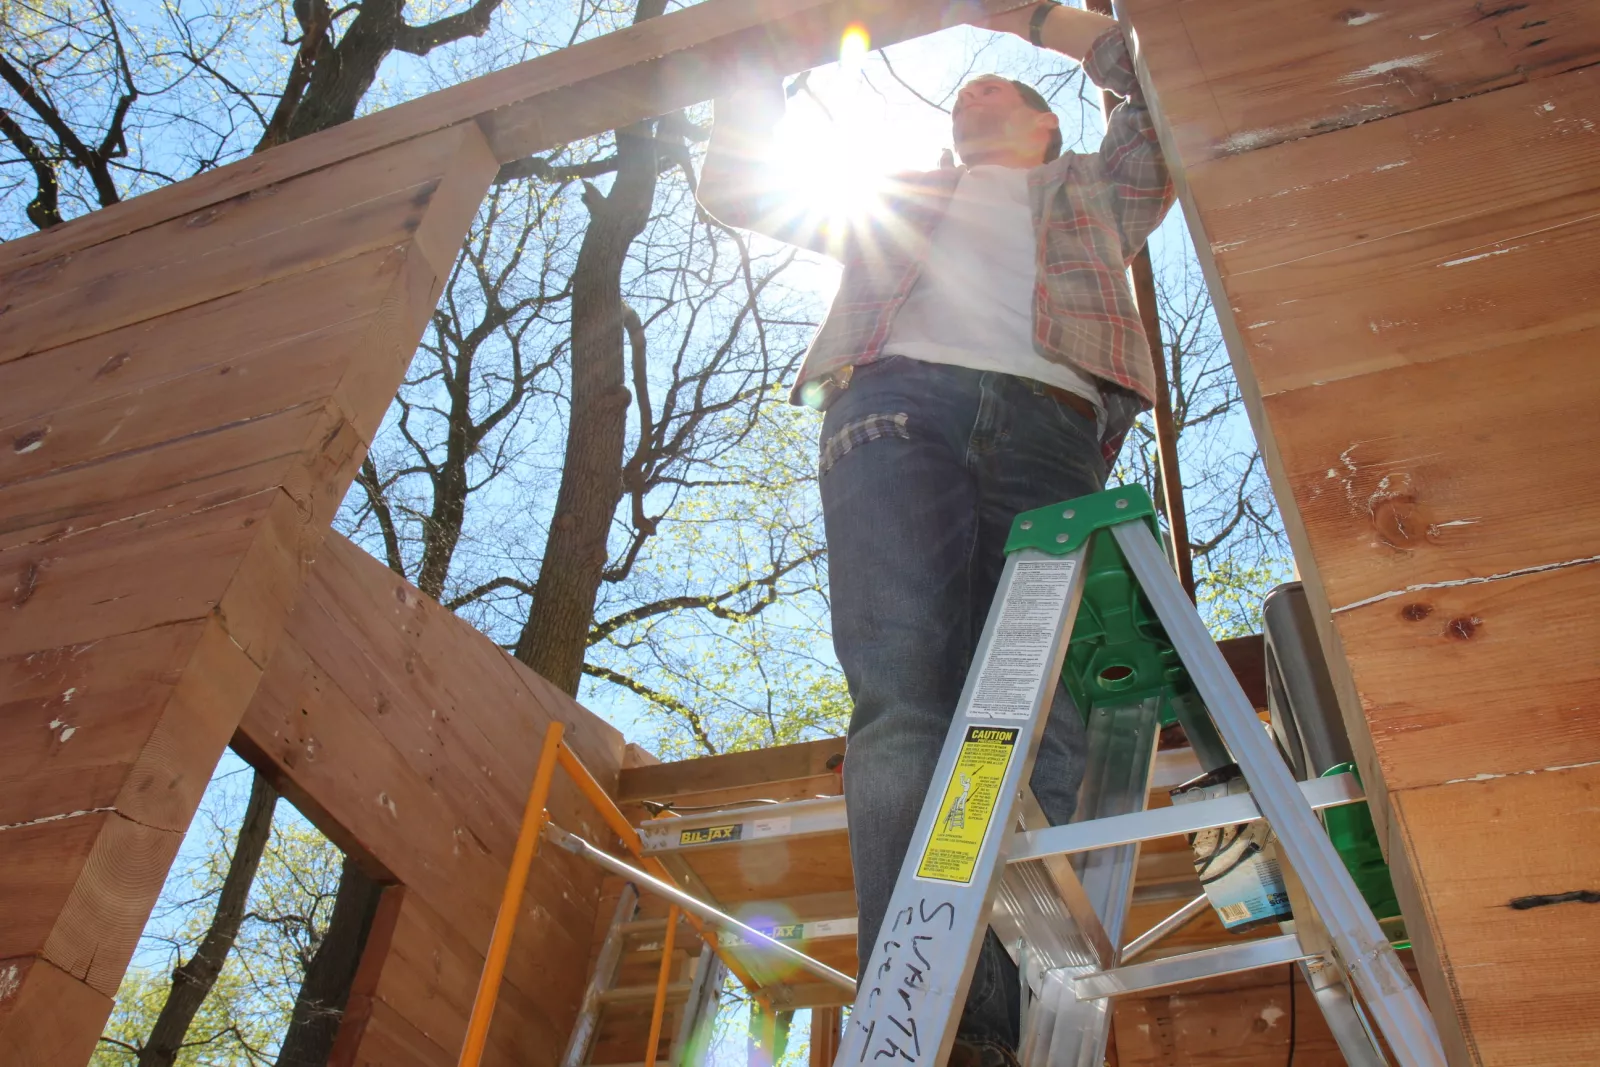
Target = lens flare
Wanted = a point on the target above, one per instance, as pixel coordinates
(853, 47)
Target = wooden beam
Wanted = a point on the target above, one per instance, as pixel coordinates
(649, 69)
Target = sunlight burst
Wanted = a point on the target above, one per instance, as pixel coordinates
(853, 48)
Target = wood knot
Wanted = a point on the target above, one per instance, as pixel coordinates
(27, 582)
(1416, 612)
(29, 441)
(112, 364)
(1393, 507)
(1464, 628)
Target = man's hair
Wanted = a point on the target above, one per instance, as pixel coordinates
(1037, 102)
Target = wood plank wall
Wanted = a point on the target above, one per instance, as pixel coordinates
(181, 410)
(1398, 206)
(411, 740)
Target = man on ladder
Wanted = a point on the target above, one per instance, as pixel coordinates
(983, 357)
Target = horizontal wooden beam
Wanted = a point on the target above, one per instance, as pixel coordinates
(650, 69)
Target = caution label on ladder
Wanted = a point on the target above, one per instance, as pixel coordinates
(951, 854)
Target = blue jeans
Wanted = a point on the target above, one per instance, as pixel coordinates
(923, 468)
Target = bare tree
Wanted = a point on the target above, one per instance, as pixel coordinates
(79, 86)
(192, 981)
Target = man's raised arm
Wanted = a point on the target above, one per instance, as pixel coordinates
(1141, 187)
(739, 185)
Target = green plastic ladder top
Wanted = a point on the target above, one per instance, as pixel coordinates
(1119, 652)
(1356, 840)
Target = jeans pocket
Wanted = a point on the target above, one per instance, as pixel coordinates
(858, 432)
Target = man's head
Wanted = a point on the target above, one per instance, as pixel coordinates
(1004, 123)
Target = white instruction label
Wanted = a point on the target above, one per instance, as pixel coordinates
(770, 827)
(1019, 651)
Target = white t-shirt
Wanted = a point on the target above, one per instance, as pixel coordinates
(972, 306)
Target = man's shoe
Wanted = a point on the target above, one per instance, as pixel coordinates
(982, 1054)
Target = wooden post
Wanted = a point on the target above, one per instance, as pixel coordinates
(824, 1036)
(1144, 294)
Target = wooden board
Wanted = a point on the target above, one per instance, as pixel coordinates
(1247, 75)
(678, 59)
(1410, 306)
(178, 446)
(1240, 1021)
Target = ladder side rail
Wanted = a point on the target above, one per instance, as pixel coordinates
(1363, 949)
(919, 970)
(1122, 752)
(1350, 1032)
(1129, 734)
(603, 978)
(691, 1044)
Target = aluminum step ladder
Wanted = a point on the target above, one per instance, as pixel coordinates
(981, 854)
(699, 999)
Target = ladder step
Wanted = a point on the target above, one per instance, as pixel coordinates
(1207, 963)
(1232, 810)
(635, 994)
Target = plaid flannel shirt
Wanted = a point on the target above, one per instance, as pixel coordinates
(1092, 210)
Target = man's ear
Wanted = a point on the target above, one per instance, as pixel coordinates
(1047, 121)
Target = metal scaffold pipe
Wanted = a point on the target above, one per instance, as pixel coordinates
(578, 846)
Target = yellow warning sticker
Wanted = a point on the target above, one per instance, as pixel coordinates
(952, 851)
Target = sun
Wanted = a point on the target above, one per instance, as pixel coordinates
(828, 146)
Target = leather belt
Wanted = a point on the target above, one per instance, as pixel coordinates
(840, 380)
(1070, 399)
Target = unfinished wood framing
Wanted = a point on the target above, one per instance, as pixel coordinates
(183, 408)
(1398, 207)
(188, 381)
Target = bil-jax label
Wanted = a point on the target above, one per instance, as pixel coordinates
(951, 854)
(710, 835)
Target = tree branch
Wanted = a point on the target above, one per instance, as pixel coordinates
(712, 602)
(367, 478)
(655, 696)
(473, 22)
(44, 210)
(486, 588)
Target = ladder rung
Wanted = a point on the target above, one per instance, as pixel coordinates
(633, 994)
(1207, 963)
(1169, 822)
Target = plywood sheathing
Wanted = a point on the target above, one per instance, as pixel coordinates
(1398, 207)
(177, 437)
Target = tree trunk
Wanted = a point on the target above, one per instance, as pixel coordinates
(192, 981)
(345, 73)
(442, 532)
(555, 637)
(319, 1008)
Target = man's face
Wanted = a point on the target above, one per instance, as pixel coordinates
(992, 124)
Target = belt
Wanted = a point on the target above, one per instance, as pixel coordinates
(840, 380)
(1065, 397)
